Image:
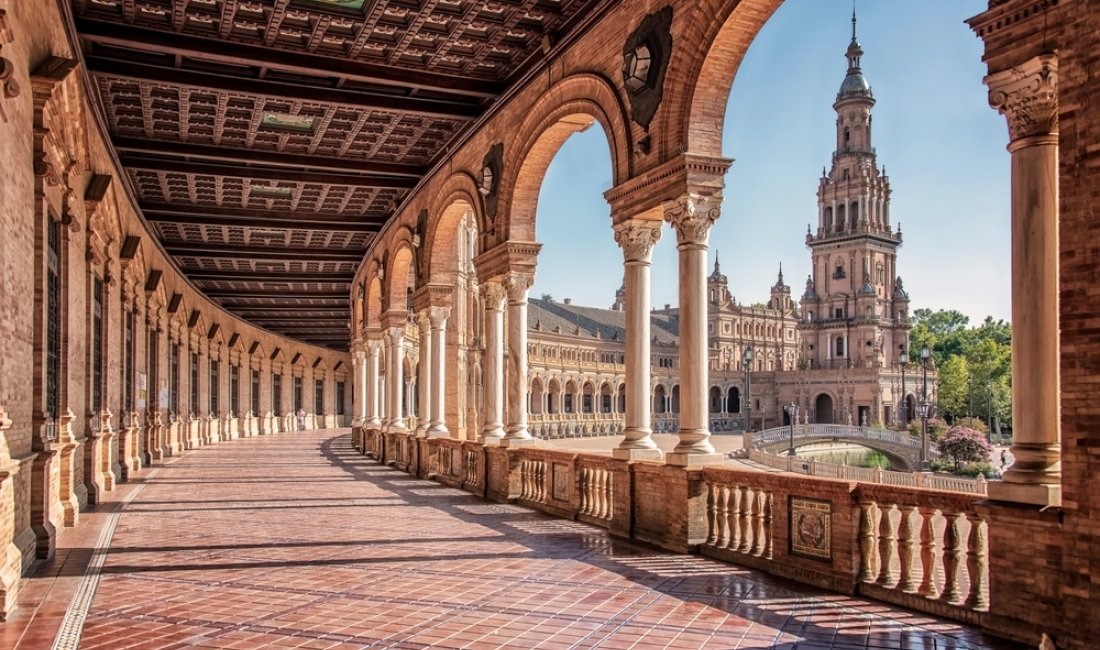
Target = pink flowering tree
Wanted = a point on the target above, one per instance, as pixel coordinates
(964, 445)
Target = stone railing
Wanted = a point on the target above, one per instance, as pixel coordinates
(923, 549)
(869, 475)
(575, 425)
(897, 443)
(926, 550)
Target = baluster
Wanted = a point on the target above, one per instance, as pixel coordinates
(542, 481)
(867, 545)
(952, 559)
(713, 510)
(906, 544)
(723, 516)
(886, 541)
(586, 491)
(928, 586)
(758, 523)
(609, 479)
(745, 520)
(977, 564)
(733, 517)
(769, 503)
(601, 493)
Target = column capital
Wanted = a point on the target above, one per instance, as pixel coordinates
(637, 237)
(692, 215)
(374, 346)
(1027, 95)
(438, 315)
(424, 320)
(395, 333)
(516, 284)
(492, 292)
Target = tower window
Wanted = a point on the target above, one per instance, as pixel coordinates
(847, 135)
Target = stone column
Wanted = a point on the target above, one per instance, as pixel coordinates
(395, 379)
(516, 431)
(1028, 98)
(637, 238)
(374, 349)
(493, 366)
(438, 425)
(361, 391)
(424, 374)
(692, 216)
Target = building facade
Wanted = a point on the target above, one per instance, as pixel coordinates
(835, 355)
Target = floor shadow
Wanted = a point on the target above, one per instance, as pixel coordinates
(787, 607)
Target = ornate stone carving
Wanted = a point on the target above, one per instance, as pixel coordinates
(423, 320)
(438, 315)
(493, 294)
(637, 238)
(374, 347)
(692, 216)
(1027, 95)
(516, 285)
(9, 88)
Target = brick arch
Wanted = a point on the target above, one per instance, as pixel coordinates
(702, 69)
(457, 196)
(571, 105)
(399, 267)
(373, 308)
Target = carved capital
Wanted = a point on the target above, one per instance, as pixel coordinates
(692, 216)
(1027, 95)
(374, 347)
(396, 335)
(439, 316)
(423, 321)
(637, 237)
(516, 285)
(493, 294)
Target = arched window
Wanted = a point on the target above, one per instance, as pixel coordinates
(828, 219)
(587, 394)
(659, 401)
(839, 347)
(715, 399)
(676, 399)
(840, 218)
(733, 400)
(853, 215)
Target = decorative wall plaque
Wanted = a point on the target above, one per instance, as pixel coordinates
(488, 183)
(645, 59)
(811, 528)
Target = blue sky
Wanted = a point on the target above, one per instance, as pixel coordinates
(942, 145)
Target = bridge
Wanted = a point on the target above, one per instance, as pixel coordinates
(902, 448)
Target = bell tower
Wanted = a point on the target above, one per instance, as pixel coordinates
(854, 310)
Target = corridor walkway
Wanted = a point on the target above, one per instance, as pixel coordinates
(296, 541)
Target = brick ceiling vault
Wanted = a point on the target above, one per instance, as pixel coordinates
(269, 141)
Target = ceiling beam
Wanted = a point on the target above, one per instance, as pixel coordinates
(274, 174)
(264, 276)
(370, 227)
(270, 158)
(99, 65)
(199, 249)
(261, 309)
(257, 215)
(234, 53)
(275, 293)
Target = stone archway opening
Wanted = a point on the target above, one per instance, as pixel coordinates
(823, 409)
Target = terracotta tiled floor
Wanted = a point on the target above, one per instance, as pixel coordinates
(295, 541)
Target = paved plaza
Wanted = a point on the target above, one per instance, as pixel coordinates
(297, 541)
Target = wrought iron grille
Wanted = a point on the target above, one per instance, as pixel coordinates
(53, 319)
(97, 345)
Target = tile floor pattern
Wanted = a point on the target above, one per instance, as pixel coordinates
(296, 541)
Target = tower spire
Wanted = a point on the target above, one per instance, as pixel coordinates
(853, 21)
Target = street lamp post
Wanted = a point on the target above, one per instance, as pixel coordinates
(903, 361)
(925, 409)
(746, 361)
(792, 416)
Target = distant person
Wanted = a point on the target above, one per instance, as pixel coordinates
(1004, 458)
(301, 419)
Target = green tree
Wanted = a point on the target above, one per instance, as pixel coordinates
(953, 383)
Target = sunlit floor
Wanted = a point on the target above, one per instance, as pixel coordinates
(296, 541)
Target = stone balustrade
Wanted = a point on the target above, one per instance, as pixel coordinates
(978, 486)
(926, 549)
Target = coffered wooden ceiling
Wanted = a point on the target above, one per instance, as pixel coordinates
(268, 141)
